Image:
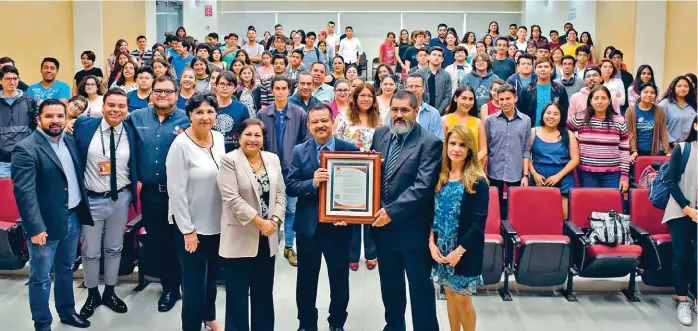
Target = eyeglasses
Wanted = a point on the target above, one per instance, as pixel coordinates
(90, 85)
(77, 106)
(167, 92)
(225, 85)
(342, 90)
(11, 79)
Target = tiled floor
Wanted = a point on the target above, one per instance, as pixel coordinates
(593, 312)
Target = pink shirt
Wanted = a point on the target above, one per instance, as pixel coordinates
(578, 103)
(388, 51)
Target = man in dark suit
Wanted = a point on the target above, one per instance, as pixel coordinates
(108, 153)
(52, 201)
(412, 160)
(315, 240)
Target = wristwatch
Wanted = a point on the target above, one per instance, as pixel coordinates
(276, 219)
(459, 253)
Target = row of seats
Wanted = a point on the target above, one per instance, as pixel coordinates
(540, 249)
(642, 162)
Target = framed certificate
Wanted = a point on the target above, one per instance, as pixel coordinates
(353, 192)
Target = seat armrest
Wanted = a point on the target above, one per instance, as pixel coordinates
(509, 232)
(579, 243)
(638, 232)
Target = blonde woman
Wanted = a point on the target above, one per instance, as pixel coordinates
(457, 238)
(187, 87)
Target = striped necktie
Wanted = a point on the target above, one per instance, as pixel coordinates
(394, 152)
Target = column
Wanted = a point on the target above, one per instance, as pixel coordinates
(87, 32)
(650, 30)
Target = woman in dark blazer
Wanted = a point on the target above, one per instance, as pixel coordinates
(458, 233)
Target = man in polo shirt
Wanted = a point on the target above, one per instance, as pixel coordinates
(141, 97)
(182, 58)
(142, 54)
(49, 87)
(438, 82)
(303, 97)
(156, 128)
(440, 39)
(287, 127)
(427, 116)
(323, 92)
(253, 48)
(350, 49)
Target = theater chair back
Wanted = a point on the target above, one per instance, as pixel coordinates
(536, 215)
(656, 260)
(601, 261)
(129, 254)
(493, 255)
(13, 255)
(642, 162)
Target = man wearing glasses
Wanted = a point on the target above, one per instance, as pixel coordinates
(156, 128)
(17, 116)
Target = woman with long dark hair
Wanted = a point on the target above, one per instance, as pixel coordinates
(203, 74)
(181, 32)
(115, 74)
(388, 86)
(463, 109)
(537, 36)
(645, 74)
(337, 70)
(127, 81)
(647, 125)
(469, 41)
(378, 74)
(92, 89)
(493, 30)
(585, 38)
(120, 47)
(554, 152)
(604, 144)
(679, 104)
(402, 45)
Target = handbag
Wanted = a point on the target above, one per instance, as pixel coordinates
(610, 229)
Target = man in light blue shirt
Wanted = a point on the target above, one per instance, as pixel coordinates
(49, 87)
(182, 57)
(311, 54)
(427, 116)
(323, 92)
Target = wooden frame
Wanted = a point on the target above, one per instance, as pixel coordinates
(363, 166)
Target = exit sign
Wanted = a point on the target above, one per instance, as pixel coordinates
(208, 10)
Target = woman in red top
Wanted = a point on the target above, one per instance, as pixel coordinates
(491, 106)
(386, 53)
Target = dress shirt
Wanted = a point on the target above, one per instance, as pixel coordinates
(154, 140)
(508, 143)
(298, 101)
(295, 132)
(328, 146)
(195, 201)
(98, 151)
(324, 93)
(350, 49)
(429, 118)
(280, 121)
(71, 175)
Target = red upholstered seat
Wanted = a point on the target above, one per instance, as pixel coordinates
(494, 238)
(8, 211)
(5, 225)
(621, 251)
(535, 210)
(583, 201)
(544, 238)
(494, 219)
(642, 162)
(661, 238)
(644, 214)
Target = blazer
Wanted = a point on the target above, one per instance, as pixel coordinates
(408, 194)
(295, 132)
(300, 184)
(84, 130)
(443, 88)
(41, 187)
(471, 229)
(241, 203)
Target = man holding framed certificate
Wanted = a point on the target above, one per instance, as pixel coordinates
(314, 239)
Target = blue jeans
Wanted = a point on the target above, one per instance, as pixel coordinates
(599, 179)
(59, 253)
(289, 235)
(4, 170)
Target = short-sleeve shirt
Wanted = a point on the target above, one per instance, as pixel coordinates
(645, 129)
(84, 73)
(388, 51)
(254, 51)
(228, 123)
(134, 102)
(57, 90)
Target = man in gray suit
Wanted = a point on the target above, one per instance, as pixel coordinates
(412, 161)
(52, 201)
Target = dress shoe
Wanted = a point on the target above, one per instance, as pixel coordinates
(92, 302)
(371, 264)
(333, 328)
(114, 303)
(354, 266)
(291, 256)
(75, 320)
(167, 301)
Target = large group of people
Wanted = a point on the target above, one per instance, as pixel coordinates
(226, 138)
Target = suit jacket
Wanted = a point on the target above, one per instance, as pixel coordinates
(300, 184)
(84, 130)
(41, 187)
(241, 203)
(443, 87)
(409, 201)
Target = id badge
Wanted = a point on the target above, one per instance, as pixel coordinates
(104, 168)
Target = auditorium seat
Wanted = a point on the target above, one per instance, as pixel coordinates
(13, 252)
(537, 251)
(642, 162)
(654, 237)
(493, 255)
(597, 261)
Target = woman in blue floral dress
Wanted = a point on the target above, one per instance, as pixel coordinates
(458, 233)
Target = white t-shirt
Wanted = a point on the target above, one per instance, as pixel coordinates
(332, 41)
(349, 48)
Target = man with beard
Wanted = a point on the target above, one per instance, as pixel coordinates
(315, 240)
(49, 87)
(401, 230)
(156, 129)
(440, 40)
(578, 101)
(52, 201)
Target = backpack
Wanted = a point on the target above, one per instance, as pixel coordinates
(649, 174)
(659, 190)
(610, 229)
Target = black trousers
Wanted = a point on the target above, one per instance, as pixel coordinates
(355, 244)
(199, 272)
(254, 275)
(499, 184)
(332, 242)
(683, 241)
(163, 258)
(392, 266)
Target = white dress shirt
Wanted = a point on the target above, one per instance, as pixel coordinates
(98, 151)
(332, 40)
(195, 200)
(349, 48)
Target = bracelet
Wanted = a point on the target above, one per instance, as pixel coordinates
(460, 254)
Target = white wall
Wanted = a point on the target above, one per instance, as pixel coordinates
(196, 23)
(649, 48)
(87, 31)
(553, 14)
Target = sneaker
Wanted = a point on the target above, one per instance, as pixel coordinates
(290, 255)
(683, 313)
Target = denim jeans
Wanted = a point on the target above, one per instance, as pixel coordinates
(4, 170)
(59, 253)
(599, 179)
(289, 235)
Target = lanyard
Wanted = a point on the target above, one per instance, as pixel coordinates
(101, 137)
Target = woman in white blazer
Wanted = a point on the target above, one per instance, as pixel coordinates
(254, 205)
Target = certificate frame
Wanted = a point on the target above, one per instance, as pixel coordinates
(355, 167)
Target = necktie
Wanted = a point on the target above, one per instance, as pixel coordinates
(112, 161)
(323, 148)
(392, 157)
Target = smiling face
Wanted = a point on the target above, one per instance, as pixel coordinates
(646, 75)
(188, 79)
(200, 68)
(247, 76)
(320, 124)
(552, 116)
(352, 74)
(75, 108)
(90, 87)
(159, 69)
(129, 70)
(388, 86)
(251, 139)
(457, 150)
(318, 72)
(507, 100)
(465, 101)
(305, 85)
(681, 88)
(648, 95)
(203, 117)
(592, 78)
(123, 47)
(341, 91)
(86, 62)
(49, 70)
(365, 100)
(115, 109)
(52, 120)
